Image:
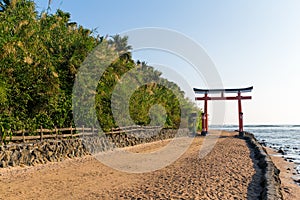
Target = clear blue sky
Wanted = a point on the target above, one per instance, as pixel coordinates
(251, 43)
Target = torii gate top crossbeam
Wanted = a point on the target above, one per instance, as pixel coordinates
(214, 91)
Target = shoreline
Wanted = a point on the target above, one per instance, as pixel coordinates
(289, 188)
(292, 166)
(269, 179)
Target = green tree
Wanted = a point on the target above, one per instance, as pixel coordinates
(40, 56)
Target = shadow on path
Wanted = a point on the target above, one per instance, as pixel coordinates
(255, 188)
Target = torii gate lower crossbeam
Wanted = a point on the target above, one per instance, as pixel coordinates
(206, 98)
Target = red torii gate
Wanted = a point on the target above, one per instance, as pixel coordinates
(239, 97)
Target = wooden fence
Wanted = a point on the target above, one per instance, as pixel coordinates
(62, 133)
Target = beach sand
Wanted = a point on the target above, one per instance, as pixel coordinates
(290, 190)
(226, 172)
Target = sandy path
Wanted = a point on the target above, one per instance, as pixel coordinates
(227, 172)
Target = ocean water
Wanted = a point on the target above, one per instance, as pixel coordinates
(278, 137)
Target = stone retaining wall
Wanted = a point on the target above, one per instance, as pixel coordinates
(58, 150)
(270, 181)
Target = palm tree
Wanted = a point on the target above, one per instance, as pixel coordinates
(121, 43)
(49, 2)
(121, 46)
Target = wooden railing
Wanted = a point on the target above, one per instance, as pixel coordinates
(62, 133)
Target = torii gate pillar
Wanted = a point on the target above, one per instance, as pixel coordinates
(239, 97)
(241, 126)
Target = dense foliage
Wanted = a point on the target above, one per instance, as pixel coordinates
(40, 54)
(152, 100)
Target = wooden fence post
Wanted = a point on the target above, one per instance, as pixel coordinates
(1, 140)
(93, 130)
(56, 132)
(82, 129)
(71, 132)
(41, 134)
(23, 135)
